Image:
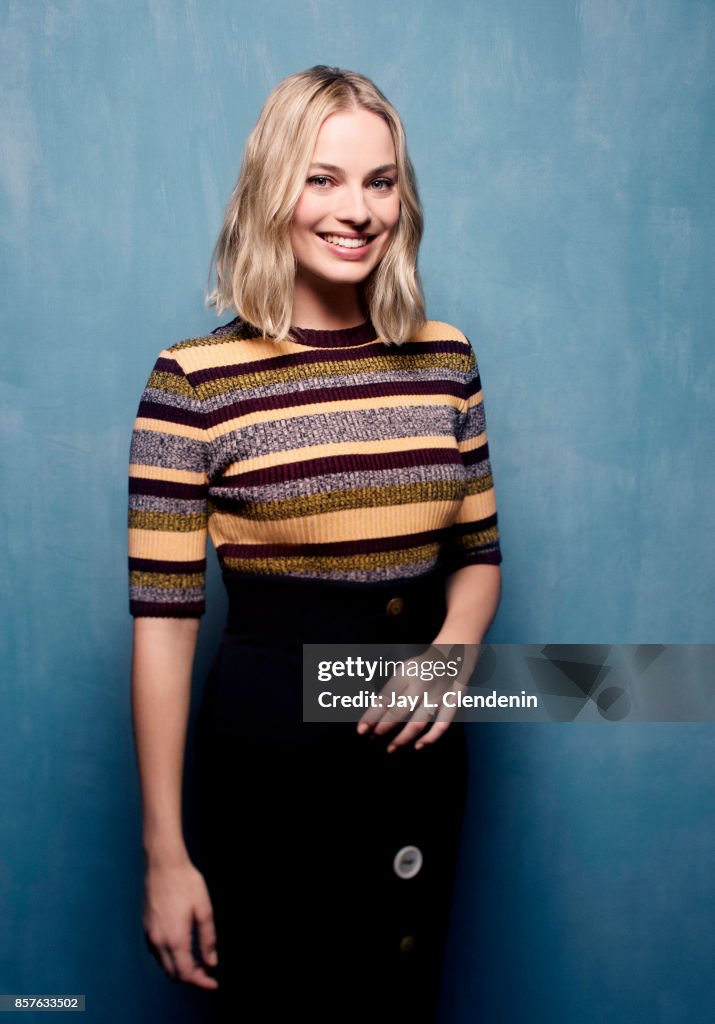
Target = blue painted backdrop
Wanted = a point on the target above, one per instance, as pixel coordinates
(565, 157)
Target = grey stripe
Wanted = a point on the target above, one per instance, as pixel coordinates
(478, 469)
(381, 572)
(170, 398)
(321, 428)
(472, 423)
(179, 506)
(397, 572)
(171, 451)
(172, 595)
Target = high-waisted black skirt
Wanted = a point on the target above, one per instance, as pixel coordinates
(330, 863)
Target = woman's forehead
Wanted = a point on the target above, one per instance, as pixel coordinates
(356, 135)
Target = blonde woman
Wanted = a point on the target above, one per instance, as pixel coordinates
(331, 441)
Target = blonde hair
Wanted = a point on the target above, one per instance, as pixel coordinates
(253, 258)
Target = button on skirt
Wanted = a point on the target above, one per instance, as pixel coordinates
(330, 863)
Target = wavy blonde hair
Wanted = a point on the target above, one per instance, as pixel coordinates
(253, 259)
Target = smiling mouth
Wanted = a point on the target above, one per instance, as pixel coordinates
(348, 241)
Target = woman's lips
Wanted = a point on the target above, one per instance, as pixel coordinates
(350, 249)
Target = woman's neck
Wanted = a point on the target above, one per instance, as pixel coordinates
(324, 306)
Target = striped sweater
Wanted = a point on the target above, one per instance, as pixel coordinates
(333, 456)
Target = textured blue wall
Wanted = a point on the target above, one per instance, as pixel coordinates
(564, 152)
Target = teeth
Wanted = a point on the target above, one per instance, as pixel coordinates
(346, 243)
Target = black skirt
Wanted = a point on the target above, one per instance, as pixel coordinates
(330, 863)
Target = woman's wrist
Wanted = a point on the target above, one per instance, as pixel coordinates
(165, 851)
(458, 630)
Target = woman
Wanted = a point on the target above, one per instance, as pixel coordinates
(332, 442)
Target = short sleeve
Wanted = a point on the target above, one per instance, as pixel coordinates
(168, 497)
(474, 536)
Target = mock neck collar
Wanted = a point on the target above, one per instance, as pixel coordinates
(360, 334)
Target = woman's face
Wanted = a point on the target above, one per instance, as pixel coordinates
(350, 204)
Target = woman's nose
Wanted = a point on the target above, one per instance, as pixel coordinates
(353, 206)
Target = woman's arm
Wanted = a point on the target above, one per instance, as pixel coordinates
(473, 594)
(176, 896)
(162, 664)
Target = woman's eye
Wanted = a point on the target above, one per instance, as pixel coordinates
(382, 184)
(319, 179)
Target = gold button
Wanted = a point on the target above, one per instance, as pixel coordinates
(395, 606)
(407, 944)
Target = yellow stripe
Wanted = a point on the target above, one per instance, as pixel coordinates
(346, 524)
(167, 546)
(323, 502)
(437, 330)
(206, 353)
(304, 564)
(478, 539)
(168, 522)
(473, 442)
(479, 484)
(183, 476)
(324, 372)
(166, 581)
(167, 427)
(477, 506)
(174, 383)
(473, 400)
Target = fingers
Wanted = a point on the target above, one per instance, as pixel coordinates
(398, 701)
(440, 725)
(207, 939)
(436, 732)
(407, 734)
(177, 960)
(375, 716)
(169, 934)
(163, 955)
(189, 971)
(412, 729)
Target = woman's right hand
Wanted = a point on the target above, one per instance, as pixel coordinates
(175, 898)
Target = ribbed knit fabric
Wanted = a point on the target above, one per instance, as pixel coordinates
(333, 457)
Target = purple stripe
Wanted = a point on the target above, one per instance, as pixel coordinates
(163, 609)
(342, 464)
(167, 568)
(477, 556)
(168, 366)
(475, 526)
(170, 413)
(166, 488)
(477, 455)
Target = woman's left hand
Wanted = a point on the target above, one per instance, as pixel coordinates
(419, 699)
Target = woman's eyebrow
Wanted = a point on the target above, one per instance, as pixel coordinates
(338, 170)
